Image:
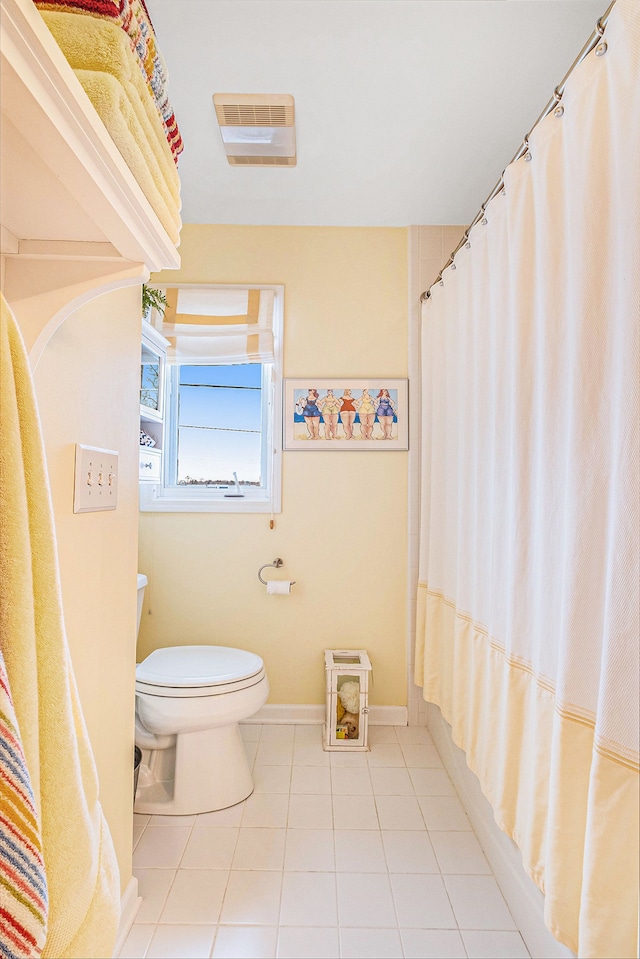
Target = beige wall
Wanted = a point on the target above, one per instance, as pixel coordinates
(86, 384)
(343, 530)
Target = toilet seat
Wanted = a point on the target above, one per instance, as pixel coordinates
(192, 671)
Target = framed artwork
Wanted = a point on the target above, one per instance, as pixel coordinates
(346, 414)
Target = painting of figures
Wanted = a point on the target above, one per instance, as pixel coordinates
(346, 414)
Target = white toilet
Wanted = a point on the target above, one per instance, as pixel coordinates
(189, 701)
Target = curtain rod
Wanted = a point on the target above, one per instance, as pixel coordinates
(553, 104)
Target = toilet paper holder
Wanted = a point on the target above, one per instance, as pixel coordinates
(277, 563)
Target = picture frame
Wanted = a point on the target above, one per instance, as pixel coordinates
(346, 413)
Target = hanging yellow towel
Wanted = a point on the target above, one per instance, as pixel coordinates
(82, 874)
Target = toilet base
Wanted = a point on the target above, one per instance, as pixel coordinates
(211, 772)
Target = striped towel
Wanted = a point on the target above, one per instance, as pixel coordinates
(23, 885)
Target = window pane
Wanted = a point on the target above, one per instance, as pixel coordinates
(212, 456)
(220, 407)
(237, 374)
(219, 424)
(149, 385)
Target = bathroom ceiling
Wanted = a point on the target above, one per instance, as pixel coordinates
(407, 111)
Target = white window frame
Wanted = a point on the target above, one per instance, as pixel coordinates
(167, 498)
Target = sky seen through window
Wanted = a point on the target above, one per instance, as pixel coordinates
(220, 423)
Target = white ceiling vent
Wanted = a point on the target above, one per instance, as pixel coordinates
(261, 161)
(257, 129)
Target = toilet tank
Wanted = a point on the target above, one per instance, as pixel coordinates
(142, 582)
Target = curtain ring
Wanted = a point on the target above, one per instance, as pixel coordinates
(602, 47)
(557, 94)
(524, 149)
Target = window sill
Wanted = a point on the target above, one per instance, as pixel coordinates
(154, 500)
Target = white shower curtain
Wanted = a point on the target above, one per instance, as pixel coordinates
(528, 599)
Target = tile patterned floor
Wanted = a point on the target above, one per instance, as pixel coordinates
(334, 855)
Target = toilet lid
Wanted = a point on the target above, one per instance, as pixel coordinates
(197, 666)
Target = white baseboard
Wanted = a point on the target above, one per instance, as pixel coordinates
(523, 897)
(129, 905)
(388, 715)
(313, 714)
(288, 713)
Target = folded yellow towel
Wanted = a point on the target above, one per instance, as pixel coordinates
(114, 108)
(133, 18)
(89, 43)
(80, 862)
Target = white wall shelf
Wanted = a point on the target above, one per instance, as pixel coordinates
(75, 222)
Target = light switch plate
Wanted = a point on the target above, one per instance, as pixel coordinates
(96, 485)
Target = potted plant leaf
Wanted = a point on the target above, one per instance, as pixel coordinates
(152, 299)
